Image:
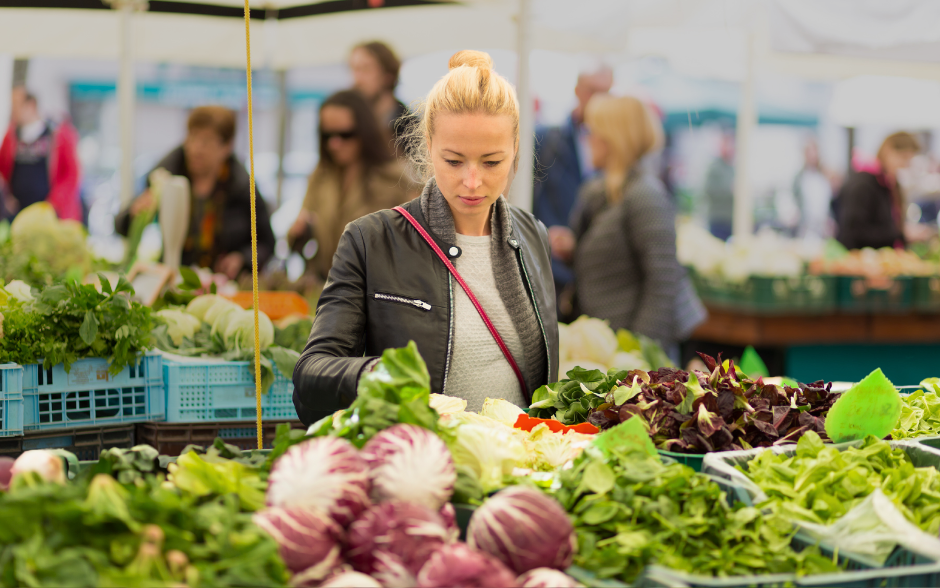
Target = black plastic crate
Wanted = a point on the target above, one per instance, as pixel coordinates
(172, 438)
(85, 443)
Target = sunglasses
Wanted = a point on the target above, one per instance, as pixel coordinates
(344, 135)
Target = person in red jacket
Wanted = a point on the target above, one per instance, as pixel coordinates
(39, 161)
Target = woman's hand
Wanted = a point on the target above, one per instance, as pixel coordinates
(143, 202)
(562, 242)
(299, 227)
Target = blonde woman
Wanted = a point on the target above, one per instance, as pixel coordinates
(622, 239)
(389, 283)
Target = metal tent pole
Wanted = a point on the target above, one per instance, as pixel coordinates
(521, 194)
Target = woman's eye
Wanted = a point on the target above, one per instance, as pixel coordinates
(452, 162)
(492, 163)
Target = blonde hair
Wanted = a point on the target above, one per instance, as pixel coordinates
(629, 129)
(471, 86)
(900, 141)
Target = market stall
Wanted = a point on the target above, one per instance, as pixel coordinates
(816, 310)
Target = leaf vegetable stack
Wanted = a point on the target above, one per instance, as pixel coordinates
(193, 529)
(71, 321)
(819, 483)
(695, 412)
(631, 510)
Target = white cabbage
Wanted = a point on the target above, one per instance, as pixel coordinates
(180, 325)
(501, 410)
(591, 339)
(199, 305)
(240, 329)
(445, 405)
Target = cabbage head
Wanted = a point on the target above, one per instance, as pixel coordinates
(240, 330)
(199, 305)
(591, 339)
(180, 325)
(37, 232)
(501, 410)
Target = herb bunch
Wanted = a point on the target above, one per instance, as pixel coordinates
(71, 321)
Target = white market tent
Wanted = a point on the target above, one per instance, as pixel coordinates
(724, 39)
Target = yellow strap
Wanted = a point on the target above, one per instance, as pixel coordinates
(254, 230)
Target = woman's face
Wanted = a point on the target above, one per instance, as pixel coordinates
(205, 152)
(338, 127)
(600, 150)
(473, 156)
(368, 76)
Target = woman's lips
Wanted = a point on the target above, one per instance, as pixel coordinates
(472, 200)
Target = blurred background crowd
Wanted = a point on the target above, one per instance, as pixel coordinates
(680, 147)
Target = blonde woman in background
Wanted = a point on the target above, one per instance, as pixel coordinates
(388, 286)
(622, 239)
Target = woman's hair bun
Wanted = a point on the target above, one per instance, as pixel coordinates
(470, 58)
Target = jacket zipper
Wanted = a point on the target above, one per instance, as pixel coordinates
(401, 300)
(538, 315)
(450, 332)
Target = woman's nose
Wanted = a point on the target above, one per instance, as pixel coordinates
(472, 178)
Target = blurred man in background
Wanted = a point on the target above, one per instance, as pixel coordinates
(563, 161)
(719, 189)
(375, 69)
(39, 161)
(219, 235)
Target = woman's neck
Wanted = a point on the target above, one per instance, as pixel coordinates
(473, 226)
(349, 174)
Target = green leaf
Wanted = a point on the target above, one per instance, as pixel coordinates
(598, 477)
(89, 329)
(191, 279)
(105, 283)
(624, 393)
(284, 359)
(590, 379)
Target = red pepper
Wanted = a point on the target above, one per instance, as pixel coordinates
(527, 423)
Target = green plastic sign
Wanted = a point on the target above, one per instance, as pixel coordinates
(871, 407)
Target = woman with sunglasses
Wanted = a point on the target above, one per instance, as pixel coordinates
(459, 271)
(356, 175)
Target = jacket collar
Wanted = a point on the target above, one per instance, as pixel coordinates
(440, 219)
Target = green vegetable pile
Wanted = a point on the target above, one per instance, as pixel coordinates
(71, 321)
(920, 412)
(153, 532)
(820, 484)
(571, 400)
(398, 390)
(293, 332)
(213, 326)
(632, 510)
(40, 249)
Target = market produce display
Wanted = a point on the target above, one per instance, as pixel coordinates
(213, 326)
(40, 249)
(385, 511)
(630, 509)
(873, 263)
(590, 343)
(920, 412)
(819, 483)
(98, 531)
(71, 321)
(693, 412)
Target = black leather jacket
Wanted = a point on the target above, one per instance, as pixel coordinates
(388, 287)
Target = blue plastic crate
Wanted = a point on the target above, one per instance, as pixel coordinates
(200, 391)
(88, 395)
(11, 400)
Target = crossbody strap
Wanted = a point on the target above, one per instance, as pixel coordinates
(473, 299)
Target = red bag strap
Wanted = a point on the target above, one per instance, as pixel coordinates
(473, 299)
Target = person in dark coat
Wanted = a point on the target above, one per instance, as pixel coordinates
(562, 163)
(388, 287)
(219, 234)
(622, 240)
(871, 210)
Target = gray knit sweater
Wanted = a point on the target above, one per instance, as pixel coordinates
(508, 279)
